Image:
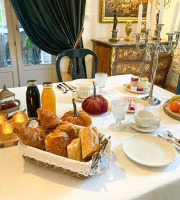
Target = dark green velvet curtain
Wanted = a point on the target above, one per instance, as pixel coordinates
(52, 25)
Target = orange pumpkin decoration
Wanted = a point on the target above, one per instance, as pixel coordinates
(95, 104)
(77, 117)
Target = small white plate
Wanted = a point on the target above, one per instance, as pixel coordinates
(150, 129)
(82, 82)
(141, 104)
(78, 99)
(145, 90)
(149, 150)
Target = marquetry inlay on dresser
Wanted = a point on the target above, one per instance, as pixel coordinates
(122, 58)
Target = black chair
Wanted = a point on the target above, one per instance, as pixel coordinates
(79, 65)
(178, 86)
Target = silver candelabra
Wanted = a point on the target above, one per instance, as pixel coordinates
(156, 47)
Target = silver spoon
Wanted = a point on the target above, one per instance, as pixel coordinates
(176, 147)
(65, 89)
(172, 136)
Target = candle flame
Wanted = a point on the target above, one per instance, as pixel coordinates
(7, 128)
(19, 117)
(2, 118)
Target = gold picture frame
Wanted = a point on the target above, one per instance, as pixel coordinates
(127, 10)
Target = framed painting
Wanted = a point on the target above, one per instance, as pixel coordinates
(127, 10)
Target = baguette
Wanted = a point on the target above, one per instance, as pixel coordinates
(89, 141)
(74, 149)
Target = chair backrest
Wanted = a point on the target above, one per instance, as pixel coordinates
(178, 86)
(79, 65)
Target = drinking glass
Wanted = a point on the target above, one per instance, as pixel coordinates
(100, 81)
(119, 108)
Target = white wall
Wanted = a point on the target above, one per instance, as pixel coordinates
(95, 30)
(174, 70)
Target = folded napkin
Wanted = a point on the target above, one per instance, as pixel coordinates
(132, 104)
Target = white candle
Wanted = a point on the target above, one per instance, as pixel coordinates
(175, 17)
(179, 26)
(139, 18)
(148, 16)
(161, 12)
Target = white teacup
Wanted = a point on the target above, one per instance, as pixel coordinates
(83, 92)
(146, 119)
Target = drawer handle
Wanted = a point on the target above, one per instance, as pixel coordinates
(129, 68)
(146, 67)
(130, 52)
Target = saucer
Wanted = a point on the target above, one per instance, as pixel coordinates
(78, 98)
(82, 82)
(133, 124)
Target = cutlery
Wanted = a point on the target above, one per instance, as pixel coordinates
(61, 88)
(174, 145)
(172, 136)
(170, 139)
(65, 89)
(68, 86)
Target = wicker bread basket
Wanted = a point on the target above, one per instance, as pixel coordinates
(98, 163)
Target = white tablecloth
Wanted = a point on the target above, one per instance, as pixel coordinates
(125, 179)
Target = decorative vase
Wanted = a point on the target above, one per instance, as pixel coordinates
(128, 30)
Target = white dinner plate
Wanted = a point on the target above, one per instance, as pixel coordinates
(82, 82)
(141, 104)
(149, 150)
(150, 129)
(145, 90)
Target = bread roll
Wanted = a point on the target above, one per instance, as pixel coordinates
(89, 141)
(56, 142)
(74, 149)
(69, 129)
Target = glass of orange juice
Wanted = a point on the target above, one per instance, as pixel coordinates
(48, 98)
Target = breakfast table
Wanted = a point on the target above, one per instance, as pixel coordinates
(124, 180)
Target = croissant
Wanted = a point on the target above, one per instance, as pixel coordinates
(69, 129)
(48, 120)
(30, 136)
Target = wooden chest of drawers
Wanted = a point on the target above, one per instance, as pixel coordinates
(122, 58)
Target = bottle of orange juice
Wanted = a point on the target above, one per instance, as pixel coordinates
(48, 98)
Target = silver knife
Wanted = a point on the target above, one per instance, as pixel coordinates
(68, 86)
(174, 145)
(62, 88)
(172, 136)
(170, 139)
